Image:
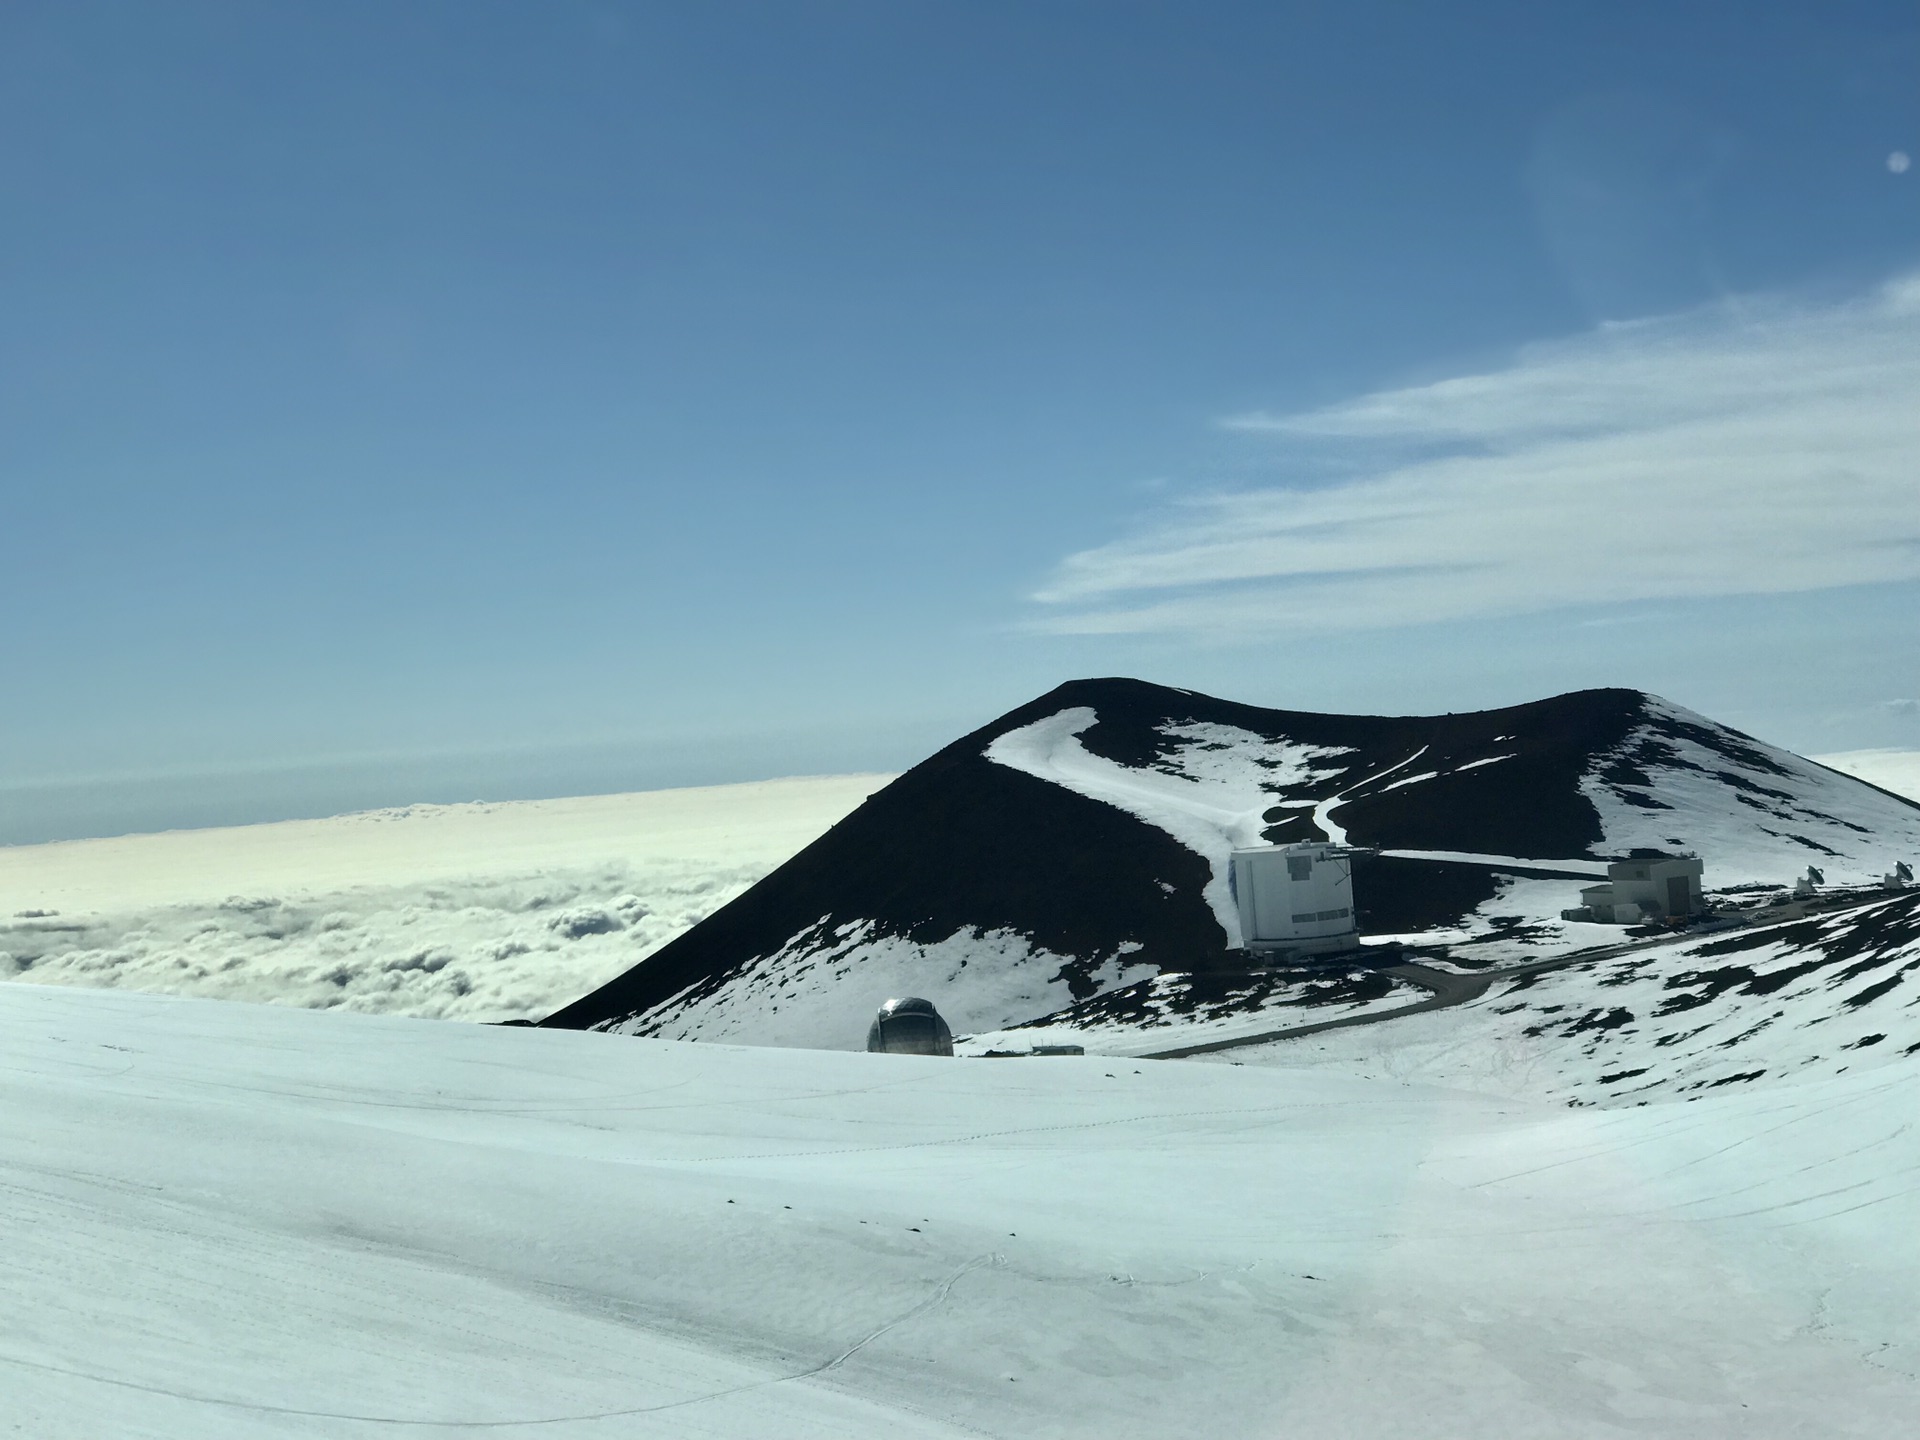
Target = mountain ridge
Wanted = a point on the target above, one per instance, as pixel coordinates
(1076, 844)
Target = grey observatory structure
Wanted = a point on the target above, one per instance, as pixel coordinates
(1646, 887)
(909, 1026)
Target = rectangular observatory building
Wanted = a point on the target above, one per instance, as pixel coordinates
(1296, 898)
(1647, 887)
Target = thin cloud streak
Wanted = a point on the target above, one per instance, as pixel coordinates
(1749, 448)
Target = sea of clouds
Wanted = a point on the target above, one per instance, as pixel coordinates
(499, 947)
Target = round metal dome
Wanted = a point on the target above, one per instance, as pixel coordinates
(909, 1025)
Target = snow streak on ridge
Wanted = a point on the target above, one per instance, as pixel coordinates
(1210, 794)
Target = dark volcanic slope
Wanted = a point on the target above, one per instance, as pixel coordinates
(1087, 849)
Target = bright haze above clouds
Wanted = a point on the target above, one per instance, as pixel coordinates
(1741, 448)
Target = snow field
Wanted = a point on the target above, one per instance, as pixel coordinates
(260, 1221)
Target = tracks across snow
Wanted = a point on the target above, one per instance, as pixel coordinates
(1448, 989)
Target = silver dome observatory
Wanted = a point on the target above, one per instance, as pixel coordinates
(909, 1026)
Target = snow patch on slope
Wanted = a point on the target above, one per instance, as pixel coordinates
(1177, 1009)
(801, 996)
(1827, 996)
(1210, 793)
(1594, 868)
(1668, 785)
(1412, 780)
(1323, 811)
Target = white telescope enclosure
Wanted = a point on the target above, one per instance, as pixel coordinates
(1295, 897)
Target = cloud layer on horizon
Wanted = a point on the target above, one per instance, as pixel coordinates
(489, 947)
(1751, 447)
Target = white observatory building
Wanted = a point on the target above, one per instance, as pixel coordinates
(1296, 898)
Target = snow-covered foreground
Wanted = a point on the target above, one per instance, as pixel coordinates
(473, 912)
(229, 1220)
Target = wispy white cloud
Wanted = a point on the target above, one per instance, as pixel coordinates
(1747, 448)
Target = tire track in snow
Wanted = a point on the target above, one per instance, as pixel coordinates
(933, 1301)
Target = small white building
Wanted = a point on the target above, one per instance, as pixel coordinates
(1649, 887)
(1296, 898)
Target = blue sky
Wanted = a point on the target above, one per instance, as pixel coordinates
(435, 401)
